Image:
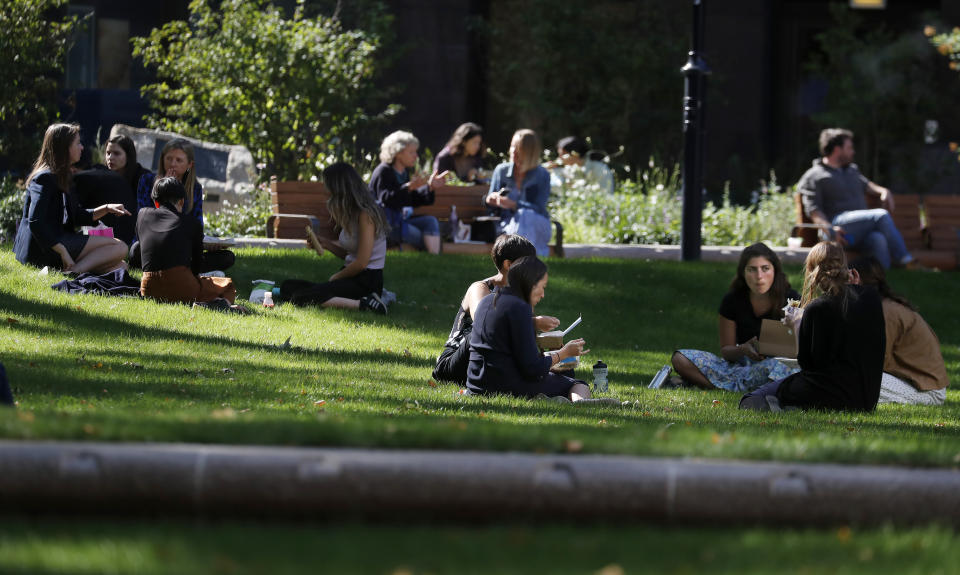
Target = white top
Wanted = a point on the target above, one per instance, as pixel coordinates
(377, 256)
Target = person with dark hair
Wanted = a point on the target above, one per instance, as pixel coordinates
(463, 154)
(394, 188)
(833, 192)
(47, 233)
(759, 291)
(503, 348)
(362, 245)
(177, 160)
(840, 342)
(453, 360)
(523, 210)
(574, 162)
(171, 248)
(913, 368)
(114, 182)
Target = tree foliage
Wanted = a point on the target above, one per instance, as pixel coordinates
(34, 38)
(290, 89)
(883, 86)
(606, 69)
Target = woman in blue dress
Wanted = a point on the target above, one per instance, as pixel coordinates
(759, 291)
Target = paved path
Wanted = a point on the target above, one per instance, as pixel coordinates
(651, 252)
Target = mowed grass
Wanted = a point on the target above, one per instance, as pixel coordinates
(122, 369)
(58, 546)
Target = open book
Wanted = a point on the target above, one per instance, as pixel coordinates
(554, 339)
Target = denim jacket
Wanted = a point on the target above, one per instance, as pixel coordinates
(534, 193)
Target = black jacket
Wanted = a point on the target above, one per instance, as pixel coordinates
(42, 224)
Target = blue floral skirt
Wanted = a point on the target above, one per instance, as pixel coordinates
(742, 376)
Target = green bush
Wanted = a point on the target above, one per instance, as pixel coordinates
(648, 210)
(11, 207)
(243, 219)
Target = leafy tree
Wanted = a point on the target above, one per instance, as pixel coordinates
(34, 38)
(883, 86)
(607, 69)
(948, 44)
(293, 90)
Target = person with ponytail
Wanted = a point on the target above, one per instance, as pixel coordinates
(503, 344)
(913, 368)
(177, 161)
(47, 234)
(171, 246)
(840, 345)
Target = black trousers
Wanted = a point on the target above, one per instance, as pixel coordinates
(302, 292)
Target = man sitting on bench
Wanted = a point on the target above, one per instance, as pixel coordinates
(833, 192)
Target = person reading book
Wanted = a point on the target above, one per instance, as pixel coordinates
(452, 362)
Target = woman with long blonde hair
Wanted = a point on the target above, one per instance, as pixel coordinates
(47, 235)
(519, 190)
(840, 342)
(362, 245)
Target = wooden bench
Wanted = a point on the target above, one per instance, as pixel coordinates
(298, 204)
(908, 219)
(943, 223)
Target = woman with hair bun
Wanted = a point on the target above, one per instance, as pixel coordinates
(840, 346)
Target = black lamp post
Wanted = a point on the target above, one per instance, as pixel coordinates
(695, 84)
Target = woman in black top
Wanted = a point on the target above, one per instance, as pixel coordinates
(453, 360)
(463, 154)
(759, 291)
(47, 234)
(841, 342)
(503, 348)
(171, 248)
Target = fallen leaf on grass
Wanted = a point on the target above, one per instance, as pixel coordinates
(320, 402)
(432, 383)
(717, 402)
(573, 445)
(12, 320)
(844, 534)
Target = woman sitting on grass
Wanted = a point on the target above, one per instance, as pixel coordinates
(503, 345)
(913, 368)
(47, 235)
(453, 360)
(171, 247)
(759, 291)
(840, 345)
(362, 245)
(177, 161)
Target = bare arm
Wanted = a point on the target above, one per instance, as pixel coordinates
(729, 348)
(886, 198)
(476, 292)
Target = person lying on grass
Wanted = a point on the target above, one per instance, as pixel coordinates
(47, 234)
(759, 291)
(453, 360)
(913, 368)
(362, 245)
(503, 347)
(840, 344)
(171, 250)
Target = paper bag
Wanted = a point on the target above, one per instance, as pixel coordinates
(777, 340)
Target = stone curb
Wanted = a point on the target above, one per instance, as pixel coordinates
(283, 482)
(651, 252)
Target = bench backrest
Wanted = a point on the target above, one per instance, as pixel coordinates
(943, 221)
(306, 198)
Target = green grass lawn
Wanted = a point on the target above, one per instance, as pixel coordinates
(90, 367)
(239, 548)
